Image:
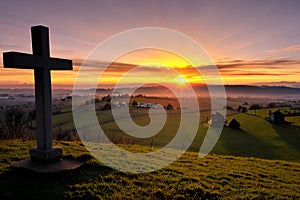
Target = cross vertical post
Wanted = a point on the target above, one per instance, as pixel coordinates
(41, 62)
(43, 102)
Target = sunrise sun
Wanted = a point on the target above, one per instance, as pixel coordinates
(180, 80)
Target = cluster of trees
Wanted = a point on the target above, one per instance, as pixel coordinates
(14, 122)
(255, 107)
(242, 109)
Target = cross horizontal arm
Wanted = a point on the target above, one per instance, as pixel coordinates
(21, 60)
(61, 64)
(29, 61)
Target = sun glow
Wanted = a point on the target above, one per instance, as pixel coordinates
(180, 80)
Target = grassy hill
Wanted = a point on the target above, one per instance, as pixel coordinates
(255, 138)
(212, 177)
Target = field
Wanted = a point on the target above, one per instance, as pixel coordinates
(190, 177)
(258, 161)
(255, 138)
(264, 113)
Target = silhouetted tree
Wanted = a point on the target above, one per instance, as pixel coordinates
(14, 122)
(107, 106)
(169, 107)
(31, 116)
(97, 100)
(272, 105)
(228, 107)
(2, 133)
(254, 107)
(106, 98)
(134, 103)
(242, 109)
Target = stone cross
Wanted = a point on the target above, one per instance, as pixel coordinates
(41, 62)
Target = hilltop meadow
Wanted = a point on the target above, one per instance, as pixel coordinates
(190, 177)
(260, 160)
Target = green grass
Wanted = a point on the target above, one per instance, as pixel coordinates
(294, 120)
(190, 177)
(265, 111)
(256, 137)
(264, 139)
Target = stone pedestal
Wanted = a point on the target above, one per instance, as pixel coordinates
(47, 167)
(53, 154)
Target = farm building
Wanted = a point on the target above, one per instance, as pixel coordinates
(147, 105)
(276, 117)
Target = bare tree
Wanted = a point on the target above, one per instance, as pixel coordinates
(31, 116)
(14, 122)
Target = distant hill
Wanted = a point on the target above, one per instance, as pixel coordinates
(155, 90)
(262, 91)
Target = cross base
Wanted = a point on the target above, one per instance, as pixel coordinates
(47, 167)
(54, 154)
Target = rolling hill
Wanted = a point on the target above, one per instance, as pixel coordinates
(190, 177)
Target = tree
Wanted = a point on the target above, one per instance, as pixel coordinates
(2, 135)
(228, 107)
(97, 100)
(242, 109)
(169, 107)
(106, 98)
(134, 103)
(254, 107)
(107, 106)
(14, 122)
(272, 105)
(31, 116)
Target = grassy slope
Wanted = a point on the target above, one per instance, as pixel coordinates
(256, 138)
(190, 177)
(259, 138)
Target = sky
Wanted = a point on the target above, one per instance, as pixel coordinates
(251, 42)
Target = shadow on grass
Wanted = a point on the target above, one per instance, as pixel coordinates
(24, 184)
(290, 135)
(238, 142)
